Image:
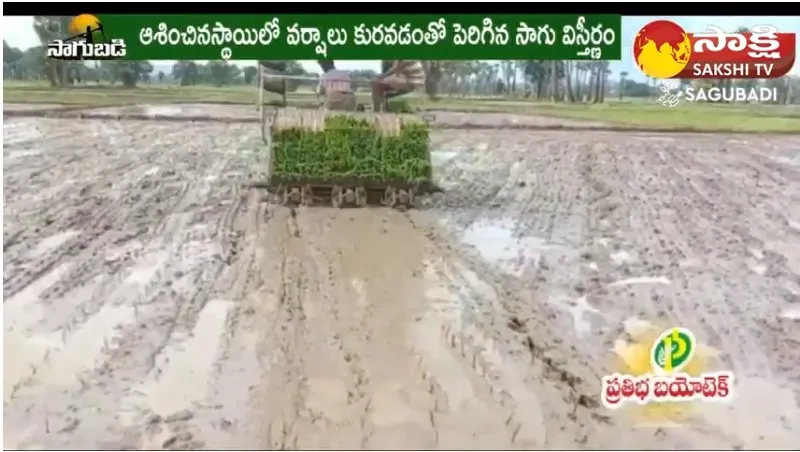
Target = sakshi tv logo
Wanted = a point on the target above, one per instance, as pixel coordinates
(86, 40)
(663, 50)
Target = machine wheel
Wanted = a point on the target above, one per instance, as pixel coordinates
(350, 196)
(361, 196)
(279, 196)
(293, 196)
(402, 197)
(306, 196)
(390, 197)
(337, 197)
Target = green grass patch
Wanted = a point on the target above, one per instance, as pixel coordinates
(352, 148)
(700, 117)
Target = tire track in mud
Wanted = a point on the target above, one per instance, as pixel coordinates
(194, 343)
(241, 357)
(349, 314)
(122, 320)
(287, 379)
(536, 288)
(632, 230)
(422, 394)
(352, 364)
(94, 218)
(375, 325)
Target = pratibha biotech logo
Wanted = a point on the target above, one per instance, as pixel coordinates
(87, 41)
(666, 370)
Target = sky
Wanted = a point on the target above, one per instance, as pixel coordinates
(18, 32)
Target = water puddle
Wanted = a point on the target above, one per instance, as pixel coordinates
(641, 280)
(791, 287)
(496, 242)
(58, 358)
(22, 154)
(53, 242)
(180, 377)
(792, 161)
(440, 157)
(146, 269)
(621, 257)
(577, 310)
(792, 313)
(84, 347)
(166, 110)
(177, 110)
(21, 355)
(760, 269)
(23, 310)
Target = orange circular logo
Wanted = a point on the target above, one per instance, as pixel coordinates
(86, 24)
(662, 49)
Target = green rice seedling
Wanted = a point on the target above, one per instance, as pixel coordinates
(346, 147)
(399, 106)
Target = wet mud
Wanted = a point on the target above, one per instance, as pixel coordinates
(153, 301)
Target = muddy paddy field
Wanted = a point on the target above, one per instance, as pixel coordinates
(153, 301)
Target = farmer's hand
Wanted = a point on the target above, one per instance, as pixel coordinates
(396, 66)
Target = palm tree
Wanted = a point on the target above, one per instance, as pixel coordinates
(553, 74)
(605, 72)
(569, 66)
(596, 87)
(433, 75)
(535, 73)
(622, 76)
(49, 28)
(580, 79)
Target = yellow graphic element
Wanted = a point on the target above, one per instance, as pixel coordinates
(79, 24)
(664, 61)
(662, 49)
(633, 358)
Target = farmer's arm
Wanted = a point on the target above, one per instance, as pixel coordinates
(397, 67)
(320, 89)
(321, 86)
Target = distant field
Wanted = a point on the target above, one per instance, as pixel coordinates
(712, 117)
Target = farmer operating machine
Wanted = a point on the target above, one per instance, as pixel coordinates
(337, 155)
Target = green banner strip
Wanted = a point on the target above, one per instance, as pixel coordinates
(367, 36)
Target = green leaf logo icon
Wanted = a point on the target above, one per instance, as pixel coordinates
(673, 350)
